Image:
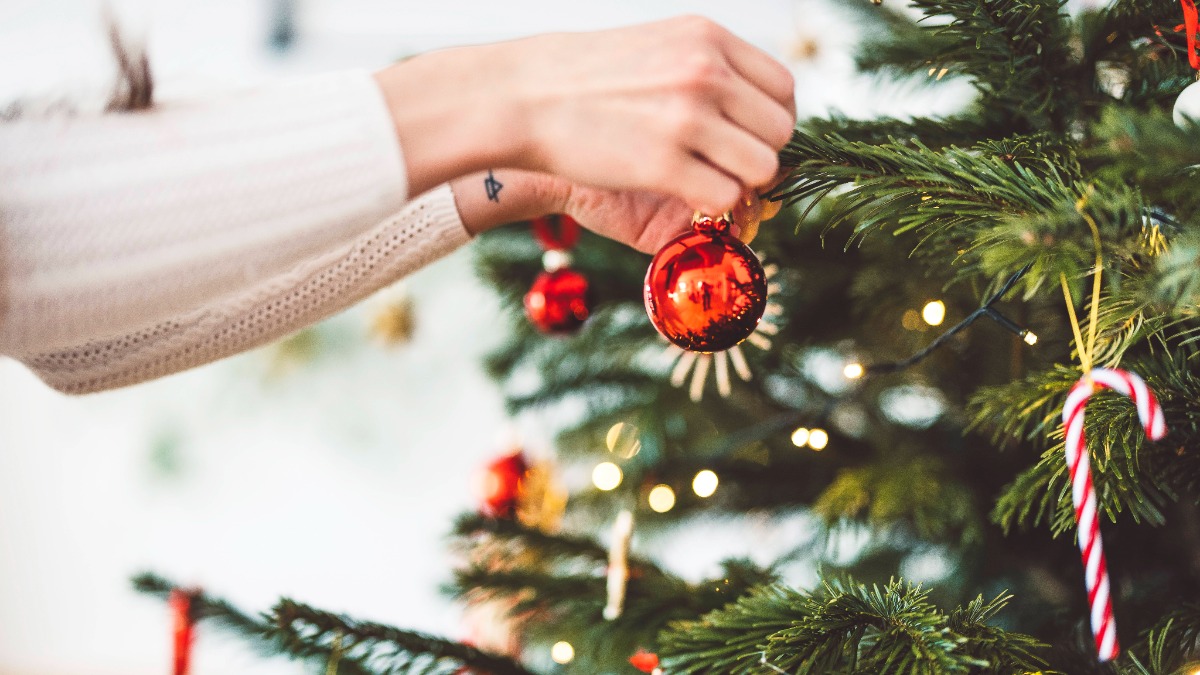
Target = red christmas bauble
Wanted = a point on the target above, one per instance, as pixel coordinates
(502, 484)
(558, 301)
(556, 232)
(705, 290)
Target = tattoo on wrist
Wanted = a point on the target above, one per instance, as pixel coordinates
(493, 187)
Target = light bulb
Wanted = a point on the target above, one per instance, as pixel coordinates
(934, 312)
(853, 370)
(1031, 339)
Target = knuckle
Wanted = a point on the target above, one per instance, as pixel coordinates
(701, 26)
(702, 73)
(683, 122)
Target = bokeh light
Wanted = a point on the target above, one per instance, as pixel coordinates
(623, 440)
(934, 312)
(606, 476)
(705, 483)
(662, 498)
(800, 437)
(562, 652)
(818, 439)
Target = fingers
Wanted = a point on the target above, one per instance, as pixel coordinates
(704, 187)
(736, 152)
(762, 71)
(753, 110)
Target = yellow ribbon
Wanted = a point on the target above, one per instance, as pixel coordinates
(1086, 352)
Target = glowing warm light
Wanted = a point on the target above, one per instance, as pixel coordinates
(800, 437)
(818, 439)
(911, 320)
(1031, 339)
(662, 498)
(934, 312)
(853, 371)
(606, 476)
(562, 652)
(623, 439)
(705, 483)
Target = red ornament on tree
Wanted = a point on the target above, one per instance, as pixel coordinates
(705, 291)
(558, 232)
(645, 661)
(559, 301)
(502, 485)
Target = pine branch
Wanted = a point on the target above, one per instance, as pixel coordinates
(944, 190)
(931, 132)
(382, 648)
(361, 647)
(1147, 149)
(216, 611)
(470, 526)
(1130, 474)
(731, 641)
(918, 493)
(999, 206)
(846, 628)
(1016, 53)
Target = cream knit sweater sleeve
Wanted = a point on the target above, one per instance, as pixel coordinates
(137, 245)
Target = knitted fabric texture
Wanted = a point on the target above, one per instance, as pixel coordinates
(109, 223)
(425, 230)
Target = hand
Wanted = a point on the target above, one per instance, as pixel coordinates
(679, 107)
(644, 220)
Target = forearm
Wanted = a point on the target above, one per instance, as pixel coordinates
(119, 221)
(425, 230)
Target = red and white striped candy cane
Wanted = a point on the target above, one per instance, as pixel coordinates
(1084, 494)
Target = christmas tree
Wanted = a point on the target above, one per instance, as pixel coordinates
(939, 288)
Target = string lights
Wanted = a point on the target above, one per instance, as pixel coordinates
(856, 370)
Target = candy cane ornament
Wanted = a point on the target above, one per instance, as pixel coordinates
(1083, 493)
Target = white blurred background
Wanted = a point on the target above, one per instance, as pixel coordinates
(327, 470)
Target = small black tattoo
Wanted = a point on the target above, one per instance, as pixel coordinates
(493, 187)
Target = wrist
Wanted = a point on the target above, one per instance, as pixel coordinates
(455, 112)
(492, 198)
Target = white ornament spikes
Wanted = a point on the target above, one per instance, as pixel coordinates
(685, 360)
(618, 564)
(1083, 492)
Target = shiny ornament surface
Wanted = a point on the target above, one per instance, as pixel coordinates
(558, 302)
(705, 291)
